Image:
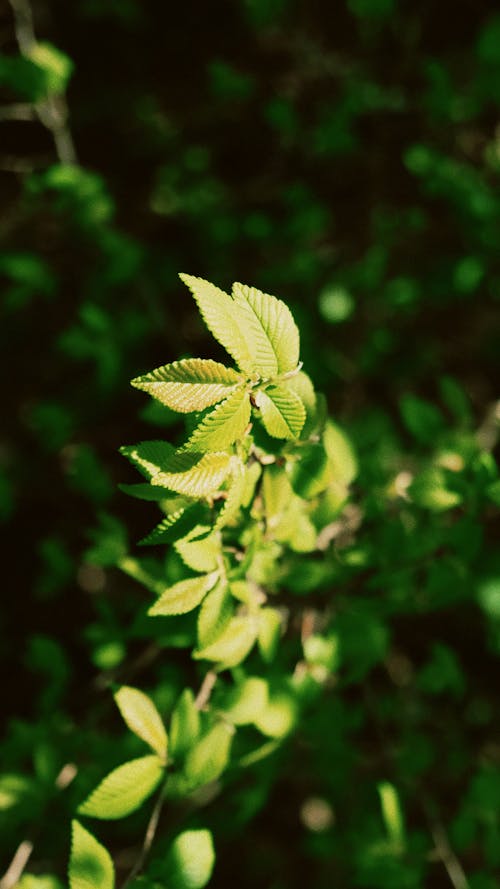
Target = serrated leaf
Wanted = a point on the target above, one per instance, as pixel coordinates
(209, 757)
(223, 426)
(184, 725)
(195, 475)
(124, 789)
(142, 718)
(90, 864)
(274, 334)
(150, 457)
(191, 384)
(190, 860)
(184, 595)
(234, 643)
(143, 491)
(214, 615)
(222, 317)
(235, 493)
(282, 411)
(200, 550)
(173, 526)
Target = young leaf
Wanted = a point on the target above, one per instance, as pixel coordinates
(195, 475)
(222, 426)
(143, 491)
(247, 700)
(278, 718)
(215, 613)
(192, 384)
(124, 789)
(275, 337)
(184, 725)
(175, 525)
(234, 496)
(270, 624)
(90, 864)
(184, 595)
(142, 717)
(190, 860)
(200, 550)
(222, 317)
(282, 411)
(209, 757)
(149, 456)
(234, 643)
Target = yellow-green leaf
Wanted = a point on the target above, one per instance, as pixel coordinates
(282, 411)
(191, 384)
(124, 789)
(234, 643)
(223, 319)
(142, 717)
(150, 457)
(184, 595)
(210, 755)
(190, 860)
(224, 425)
(274, 334)
(199, 549)
(90, 864)
(195, 475)
(184, 725)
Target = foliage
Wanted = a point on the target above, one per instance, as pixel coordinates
(348, 162)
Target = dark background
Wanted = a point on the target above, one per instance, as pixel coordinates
(344, 156)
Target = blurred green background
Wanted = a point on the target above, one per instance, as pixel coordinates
(346, 157)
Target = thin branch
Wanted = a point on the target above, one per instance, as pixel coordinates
(206, 688)
(53, 111)
(17, 865)
(446, 855)
(17, 111)
(148, 839)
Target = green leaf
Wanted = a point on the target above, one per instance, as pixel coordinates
(422, 418)
(247, 700)
(175, 525)
(184, 595)
(190, 860)
(184, 725)
(142, 718)
(270, 624)
(143, 491)
(302, 385)
(209, 757)
(150, 457)
(90, 865)
(275, 337)
(195, 475)
(279, 716)
(214, 615)
(124, 789)
(282, 411)
(222, 426)
(234, 643)
(223, 319)
(341, 456)
(236, 489)
(192, 384)
(200, 550)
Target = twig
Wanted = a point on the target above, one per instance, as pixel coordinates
(17, 111)
(446, 854)
(17, 865)
(148, 839)
(53, 111)
(205, 691)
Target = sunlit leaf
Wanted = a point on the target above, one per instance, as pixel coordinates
(191, 384)
(124, 789)
(142, 717)
(184, 595)
(90, 865)
(275, 337)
